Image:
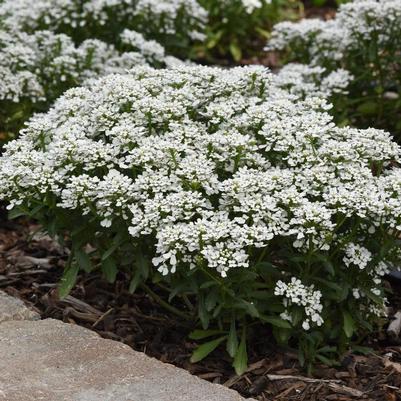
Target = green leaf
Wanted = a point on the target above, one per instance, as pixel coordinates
(213, 40)
(349, 324)
(201, 334)
(68, 280)
(203, 314)
(361, 349)
(281, 335)
(110, 251)
(326, 361)
(143, 265)
(208, 284)
(16, 212)
(83, 260)
(211, 299)
(319, 3)
(116, 243)
(205, 349)
(368, 108)
(240, 363)
(235, 51)
(276, 321)
(249, 307)
(109, 269)
(232, 341)
(135, 281)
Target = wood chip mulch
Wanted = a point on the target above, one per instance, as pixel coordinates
(31, 264)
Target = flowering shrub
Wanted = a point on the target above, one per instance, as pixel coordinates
(36, 69)
(236, 27)
(365, 40)
(173, 23)
(229, 191)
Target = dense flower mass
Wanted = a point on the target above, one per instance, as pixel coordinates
(365, 40)
(167, 20)
(221, 171)
(37, 68)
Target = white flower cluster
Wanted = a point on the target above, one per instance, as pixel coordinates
(210, 164)
(252, 5)
(355, 22)
(296, 293)
(364, 37)
(305, 80)
(147, 15)
(357, 255)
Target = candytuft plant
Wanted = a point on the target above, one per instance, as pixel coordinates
(224, 189)
(365, 40)
(175, 24)
(36, 69)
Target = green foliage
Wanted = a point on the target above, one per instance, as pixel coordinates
(234, 32)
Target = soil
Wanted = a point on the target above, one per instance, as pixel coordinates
(30, 267)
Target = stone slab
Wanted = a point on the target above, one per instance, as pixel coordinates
(14, 309)
(53, 361)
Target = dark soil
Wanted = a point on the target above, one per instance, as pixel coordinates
(31, 265)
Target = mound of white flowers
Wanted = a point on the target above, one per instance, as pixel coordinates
(36, 69)
(172, 22)
(364, 39)
(225, 187)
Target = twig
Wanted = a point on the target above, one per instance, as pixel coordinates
(301, 378)
(81, 305)
(332, 384)
(102, 317)
(27, 273)
(339, 388)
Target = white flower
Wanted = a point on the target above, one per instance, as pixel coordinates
(296, 293)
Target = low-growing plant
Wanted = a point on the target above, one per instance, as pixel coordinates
(36, 69)
(365, 40)
(237, 28)
(175, 24)
(224, 189)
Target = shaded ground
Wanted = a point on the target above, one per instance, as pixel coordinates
(31, 264)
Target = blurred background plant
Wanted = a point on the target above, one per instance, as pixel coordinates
(365, 40)
(239, 28)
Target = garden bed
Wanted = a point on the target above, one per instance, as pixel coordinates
(30, 267)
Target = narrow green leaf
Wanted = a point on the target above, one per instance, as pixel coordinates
(249, 307)
(110, 251)
(349, 324)
(16, 212)
(203, 314)
(201, 334)
(205, 349)
(276, 321)
(109, 269)
(83, 260)
(211, 299)
(235, 51)
(68, 280)
(135, 281)
(240, 363)
(232, 341)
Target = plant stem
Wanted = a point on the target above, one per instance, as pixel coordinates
(166, 305)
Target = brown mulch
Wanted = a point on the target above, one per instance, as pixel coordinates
(31, 264)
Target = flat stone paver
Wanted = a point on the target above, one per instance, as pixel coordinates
(14, 309)
(53, 361)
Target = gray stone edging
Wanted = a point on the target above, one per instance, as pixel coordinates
(14, 309)
(54, 361)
